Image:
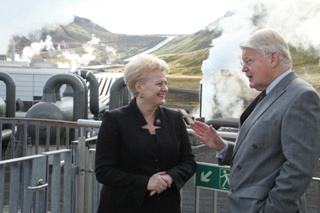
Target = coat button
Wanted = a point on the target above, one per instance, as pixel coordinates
(238, 167)
(254, 146)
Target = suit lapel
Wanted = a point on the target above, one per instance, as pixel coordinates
(274, 94)
(249, 110)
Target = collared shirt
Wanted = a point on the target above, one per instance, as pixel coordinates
(277, 80)
(222, 153)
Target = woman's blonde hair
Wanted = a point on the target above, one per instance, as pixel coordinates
(139, 68)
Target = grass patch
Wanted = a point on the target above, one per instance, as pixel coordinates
(184, 83)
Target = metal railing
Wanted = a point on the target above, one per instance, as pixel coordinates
(49, 166)
(20, 184)
(37, 165)
(87, 202)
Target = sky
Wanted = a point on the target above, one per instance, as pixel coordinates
(117, 16)
(155, 17)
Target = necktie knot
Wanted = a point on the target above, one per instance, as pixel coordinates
(251, 107)
(261, 96)
(263, 93)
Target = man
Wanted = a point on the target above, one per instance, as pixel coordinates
(277, 148)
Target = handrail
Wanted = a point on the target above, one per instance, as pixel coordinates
(88, 123)
(62, 123)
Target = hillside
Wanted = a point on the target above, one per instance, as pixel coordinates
(184, 54)
(111, 48)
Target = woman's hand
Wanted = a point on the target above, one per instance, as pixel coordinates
(159, 182)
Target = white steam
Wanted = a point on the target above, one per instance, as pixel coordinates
(223, 83)
(220, 89)
(36, 48)
(77, 60)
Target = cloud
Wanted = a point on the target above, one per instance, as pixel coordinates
(153, 17)
(23, 17)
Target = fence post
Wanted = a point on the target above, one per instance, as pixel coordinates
(215, 201)
(197, 195)
(82, 155)
(90, 185)
(318, 182)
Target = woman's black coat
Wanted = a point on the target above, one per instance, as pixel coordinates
(127, 156)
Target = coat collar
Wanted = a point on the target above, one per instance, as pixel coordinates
(139, 117)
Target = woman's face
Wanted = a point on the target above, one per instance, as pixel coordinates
(155, 89)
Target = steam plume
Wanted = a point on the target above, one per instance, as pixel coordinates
(36, 47)
(76, 60)
(223, 82)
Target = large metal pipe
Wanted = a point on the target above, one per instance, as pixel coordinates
(2, 108)
(80, 106)
(119, 94)
(94, 90)
(10, 94)
(57, 92)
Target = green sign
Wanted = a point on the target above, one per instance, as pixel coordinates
(212, 176)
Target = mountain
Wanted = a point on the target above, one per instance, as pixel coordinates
(81, 31)
(184, 54)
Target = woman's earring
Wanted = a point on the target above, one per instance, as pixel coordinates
(140, 95)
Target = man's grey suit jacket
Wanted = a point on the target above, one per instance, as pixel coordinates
(277, 150)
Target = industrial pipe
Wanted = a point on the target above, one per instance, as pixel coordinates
(80, 93)
(94, 90)
(119, 94)
(10, 94)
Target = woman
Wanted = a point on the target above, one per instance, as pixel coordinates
(143, 153)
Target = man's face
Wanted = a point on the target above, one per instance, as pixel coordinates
(257, 68)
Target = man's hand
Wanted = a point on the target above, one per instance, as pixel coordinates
(208, 135)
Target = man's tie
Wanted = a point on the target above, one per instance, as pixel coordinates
(251, 107)
(261, 96)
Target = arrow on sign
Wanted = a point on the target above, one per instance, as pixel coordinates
(204, 177)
